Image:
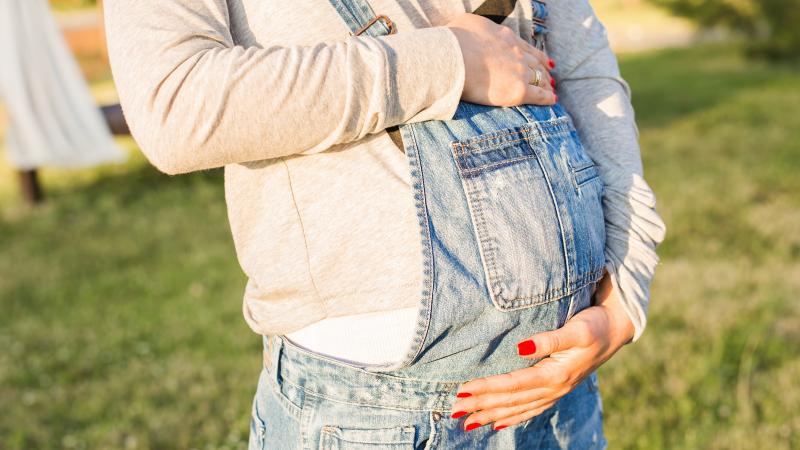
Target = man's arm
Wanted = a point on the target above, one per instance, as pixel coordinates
(195, 100)
(598, 99)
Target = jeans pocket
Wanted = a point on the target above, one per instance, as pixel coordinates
(394, 438)
(515, 214)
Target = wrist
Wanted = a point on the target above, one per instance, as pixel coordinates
(621, 326)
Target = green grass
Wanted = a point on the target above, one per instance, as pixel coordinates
(719, 363)
(122, 327)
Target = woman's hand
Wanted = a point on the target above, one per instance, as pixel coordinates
(585, 342)
(499, 65)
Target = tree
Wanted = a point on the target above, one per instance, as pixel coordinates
(771, 26)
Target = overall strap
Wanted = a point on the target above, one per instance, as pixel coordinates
(361, 19)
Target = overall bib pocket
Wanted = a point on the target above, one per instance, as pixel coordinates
(514, 214)
(538, 239)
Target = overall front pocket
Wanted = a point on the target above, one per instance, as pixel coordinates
(515, 214)
(396, 438)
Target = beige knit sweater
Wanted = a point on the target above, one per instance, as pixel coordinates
(318, 196)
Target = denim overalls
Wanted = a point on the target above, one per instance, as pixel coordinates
(511, 222)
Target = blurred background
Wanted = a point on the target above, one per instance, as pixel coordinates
(120, 293)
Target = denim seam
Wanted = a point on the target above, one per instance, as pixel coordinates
(588, 180)
(363, 372)
(482, 168)
(485, 247)
(552, 127)
(374, 405)
(334, 432)
(476, 140)
(288, 405)
(558, 217)
(434, 433)
(305, 420)
(553, 295)
(427, 246)
(461, 148)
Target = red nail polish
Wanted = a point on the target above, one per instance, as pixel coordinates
(526, 348)
(458, 414)
(551, 63)
(499, 427)
(472, 426)
(553, 82)
(463, 395)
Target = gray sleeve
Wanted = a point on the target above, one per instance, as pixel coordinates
(194, 99)
(589, 85)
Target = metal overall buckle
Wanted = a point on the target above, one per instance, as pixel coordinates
(382, 18)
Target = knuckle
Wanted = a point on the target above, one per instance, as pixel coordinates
(508, 401)
(555, 338)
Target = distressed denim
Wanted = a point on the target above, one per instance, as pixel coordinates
(512, 229)
(305, 401)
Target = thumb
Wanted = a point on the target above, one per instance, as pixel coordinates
(547, 342)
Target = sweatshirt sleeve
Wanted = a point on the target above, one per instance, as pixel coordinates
(591, 88)
(195, 100)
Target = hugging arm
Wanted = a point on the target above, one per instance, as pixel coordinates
(195, 99)
(598, 99)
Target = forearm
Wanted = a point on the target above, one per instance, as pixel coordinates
(196, 100)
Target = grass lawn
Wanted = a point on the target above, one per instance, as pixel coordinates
(121, 318)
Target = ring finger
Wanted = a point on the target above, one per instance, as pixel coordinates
(546, 81)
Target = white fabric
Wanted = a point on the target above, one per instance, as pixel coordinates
(53, 119)
(374, 338)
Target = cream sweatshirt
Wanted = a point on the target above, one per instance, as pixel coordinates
(295, 109)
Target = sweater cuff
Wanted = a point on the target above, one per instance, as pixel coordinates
(429, 74)
(633, 231)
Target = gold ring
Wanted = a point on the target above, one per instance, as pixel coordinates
(538, 79)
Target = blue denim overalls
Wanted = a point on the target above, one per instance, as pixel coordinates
(511, 221)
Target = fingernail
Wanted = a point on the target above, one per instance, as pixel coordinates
(463, 395)
(553, 82)
(556, 102)
(472, 426)
(458, 414)
(551, 63)
(526, 348)
(499, 427)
